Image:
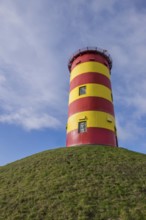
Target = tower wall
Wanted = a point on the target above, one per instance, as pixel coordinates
(91, 118)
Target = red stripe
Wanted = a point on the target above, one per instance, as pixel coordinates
(90, 57)
(91, 103)
(99, 136)
(90, 77)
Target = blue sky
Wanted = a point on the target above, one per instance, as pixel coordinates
(37, 38)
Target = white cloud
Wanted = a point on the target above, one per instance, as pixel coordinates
(128, 128)
(30, 75)
(30, 120)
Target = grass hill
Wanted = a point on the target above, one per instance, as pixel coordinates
(78, 183)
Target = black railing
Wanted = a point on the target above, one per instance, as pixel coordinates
(92, 49)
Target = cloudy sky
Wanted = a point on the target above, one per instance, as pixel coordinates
(37, 37)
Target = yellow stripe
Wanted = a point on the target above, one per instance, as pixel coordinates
(89, 67)
(93, 118)
(91, 90)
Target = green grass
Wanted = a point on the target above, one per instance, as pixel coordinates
(78, 183)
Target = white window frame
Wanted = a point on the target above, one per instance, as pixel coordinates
(82, 90)
(82, 126)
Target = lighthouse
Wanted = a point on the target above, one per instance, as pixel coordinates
(91, 118)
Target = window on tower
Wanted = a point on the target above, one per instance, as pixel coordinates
(82, 90)
(82, 127)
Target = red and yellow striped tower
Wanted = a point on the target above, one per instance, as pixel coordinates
(91, 118)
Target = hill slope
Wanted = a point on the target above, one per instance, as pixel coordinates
(77, 183)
